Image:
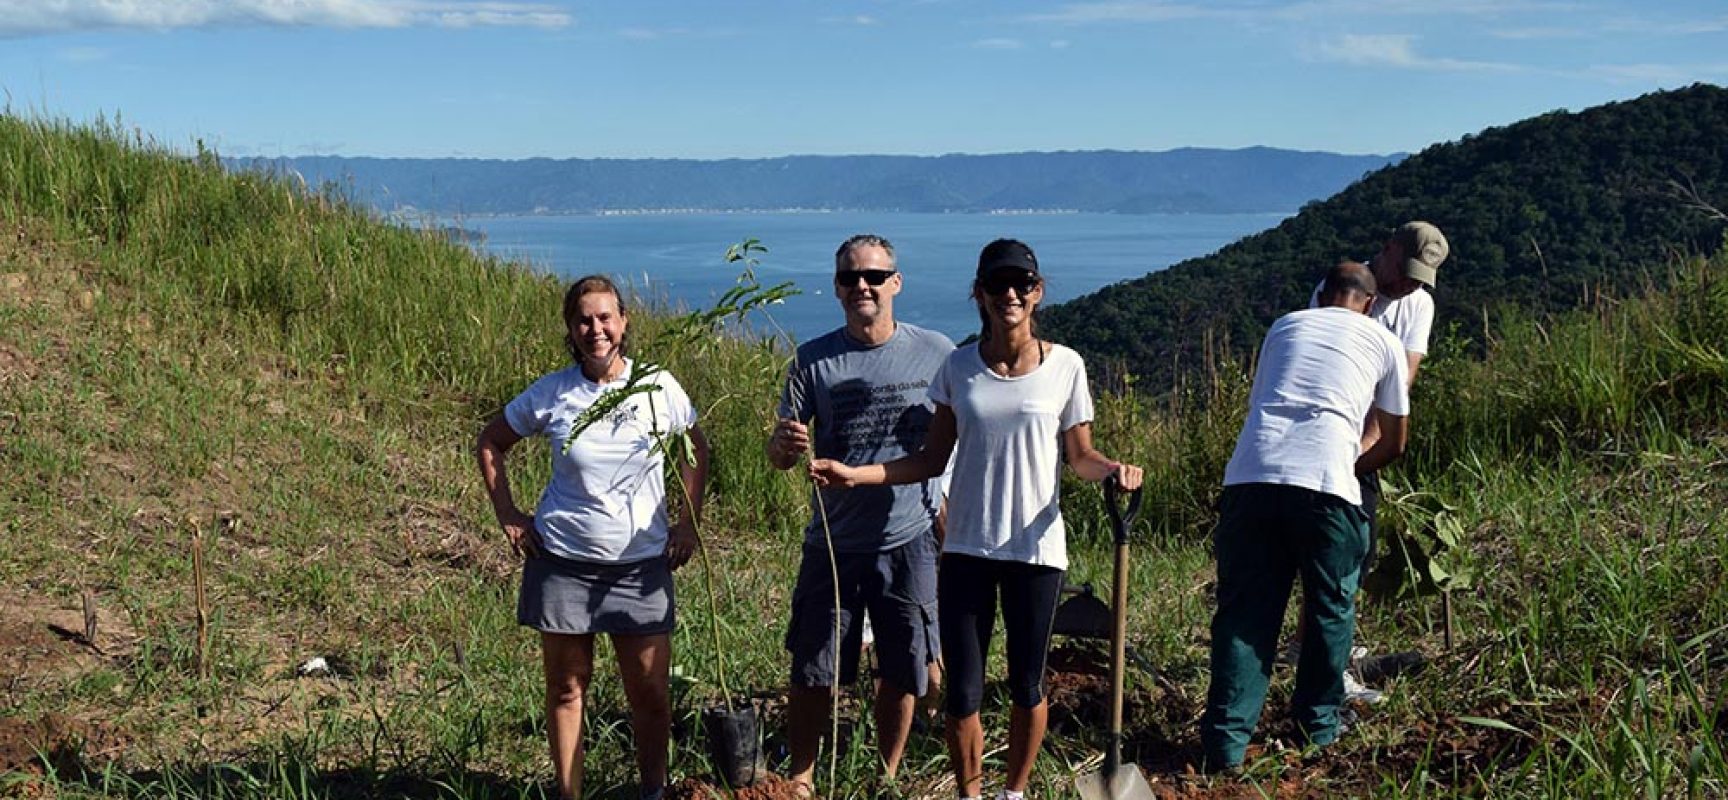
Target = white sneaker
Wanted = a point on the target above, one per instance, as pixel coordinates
(1354, 690)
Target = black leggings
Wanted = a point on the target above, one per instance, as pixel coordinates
(966, 592)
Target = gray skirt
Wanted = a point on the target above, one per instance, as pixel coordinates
(579, 597)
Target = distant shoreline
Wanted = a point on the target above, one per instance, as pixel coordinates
(1105, 182)
(411, 214)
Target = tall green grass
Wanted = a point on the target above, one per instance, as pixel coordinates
(257, 350)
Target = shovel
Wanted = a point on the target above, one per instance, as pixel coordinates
(1117, 781)
(1082, 615)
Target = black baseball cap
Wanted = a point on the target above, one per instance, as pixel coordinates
(1006, 254)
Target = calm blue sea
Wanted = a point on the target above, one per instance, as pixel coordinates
(680, 257)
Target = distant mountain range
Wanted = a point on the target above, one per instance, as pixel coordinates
(1542, 215)
(1190, 180)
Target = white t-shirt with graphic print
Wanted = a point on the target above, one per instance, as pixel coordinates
(606, 499)
(1004, 493)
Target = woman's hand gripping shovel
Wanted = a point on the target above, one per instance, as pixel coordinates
(1117, 781)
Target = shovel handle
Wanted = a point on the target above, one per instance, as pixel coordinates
(1120, 518)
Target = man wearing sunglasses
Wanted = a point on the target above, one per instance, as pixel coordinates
(858, 394)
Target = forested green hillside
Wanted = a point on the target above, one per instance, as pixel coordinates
(1542, 214)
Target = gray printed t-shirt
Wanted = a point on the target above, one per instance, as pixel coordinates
(870, 404)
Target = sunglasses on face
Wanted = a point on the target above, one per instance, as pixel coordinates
(873, 277)
(1000, 283)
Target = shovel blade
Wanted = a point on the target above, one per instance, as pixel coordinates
(1083, 616)
(1123, 783)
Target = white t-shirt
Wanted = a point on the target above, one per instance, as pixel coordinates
(1410, 318)
(606, 499)
(1319, 371)
(1003, 496)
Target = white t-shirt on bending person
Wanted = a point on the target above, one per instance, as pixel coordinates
(1003, 496)
(606, 499)
(1319, 371)
(1410, 318)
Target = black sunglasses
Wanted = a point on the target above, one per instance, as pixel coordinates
(874, 277)
(1000, 283)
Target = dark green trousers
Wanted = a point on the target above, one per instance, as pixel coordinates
(1268, 534)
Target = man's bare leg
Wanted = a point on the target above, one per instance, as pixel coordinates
(894, 710)
(806, 721)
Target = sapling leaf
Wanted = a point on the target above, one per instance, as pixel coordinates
(688, 447)
(1460, 579)
(1448, 530)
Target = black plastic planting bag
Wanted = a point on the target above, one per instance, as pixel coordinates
(734, 745)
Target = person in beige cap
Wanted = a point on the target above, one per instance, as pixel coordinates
(1405, 270)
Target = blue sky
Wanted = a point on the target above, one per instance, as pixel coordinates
(649, 78)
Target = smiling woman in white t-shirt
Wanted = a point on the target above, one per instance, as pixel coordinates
(1008, 407)
(598, 552)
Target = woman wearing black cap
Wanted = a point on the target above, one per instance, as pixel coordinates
(1015, 404)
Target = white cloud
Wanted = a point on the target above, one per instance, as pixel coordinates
(1690, 27)
(1659, 74)
(1059, 44)
(33, 17)
(997, 44)
(1397, 51)
(1145, 11)
(1526, 34)
(860, 20)
(1149, 11)
(1397, 8)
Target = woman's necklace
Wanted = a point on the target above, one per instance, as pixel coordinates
(1011, 364)
(611, 371)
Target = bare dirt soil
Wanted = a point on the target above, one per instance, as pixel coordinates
(1161, 740)
(40, 640)
(773, 787)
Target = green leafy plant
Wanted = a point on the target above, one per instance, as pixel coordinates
(1424, 538)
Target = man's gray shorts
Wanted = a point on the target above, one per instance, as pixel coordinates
(897, 588)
